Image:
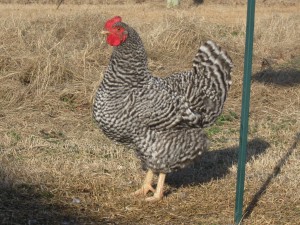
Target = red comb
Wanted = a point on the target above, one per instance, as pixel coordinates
(111, 22)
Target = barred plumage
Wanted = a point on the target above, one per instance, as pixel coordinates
(161, 118)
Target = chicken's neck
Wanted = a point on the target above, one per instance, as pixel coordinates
(128, 66)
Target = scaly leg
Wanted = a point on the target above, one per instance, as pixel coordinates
(147, 185)
(158, 194)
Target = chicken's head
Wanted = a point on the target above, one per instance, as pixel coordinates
(116, 33)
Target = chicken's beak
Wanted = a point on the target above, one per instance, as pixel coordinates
(105, 32)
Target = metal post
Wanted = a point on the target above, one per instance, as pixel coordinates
(244, 113)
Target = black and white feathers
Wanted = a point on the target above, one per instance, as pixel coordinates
(162, 119)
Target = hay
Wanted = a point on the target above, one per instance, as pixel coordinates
(55, 165)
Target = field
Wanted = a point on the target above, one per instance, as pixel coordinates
(56, 167)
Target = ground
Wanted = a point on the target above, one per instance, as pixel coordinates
(56, 167)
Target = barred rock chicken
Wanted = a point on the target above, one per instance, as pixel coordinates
(162, 119)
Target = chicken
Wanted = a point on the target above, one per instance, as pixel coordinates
(162, 119)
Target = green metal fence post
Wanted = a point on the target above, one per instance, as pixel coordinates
(245, 112)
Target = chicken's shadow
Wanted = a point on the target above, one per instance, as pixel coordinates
(287, 77)
(214, 164)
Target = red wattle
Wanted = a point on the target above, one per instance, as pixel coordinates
(113, 40)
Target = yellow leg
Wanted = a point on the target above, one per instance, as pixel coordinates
(158, 194)
(147, 185)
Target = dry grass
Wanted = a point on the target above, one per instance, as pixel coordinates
(57, 168)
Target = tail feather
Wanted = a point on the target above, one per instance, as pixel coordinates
(211, 57)
(212, 74)
(201, 92)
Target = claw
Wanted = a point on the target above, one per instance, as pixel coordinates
(144, 190)
(159, 193)
(154, 198)
(147, 186)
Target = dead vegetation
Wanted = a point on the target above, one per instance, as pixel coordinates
(57, 168)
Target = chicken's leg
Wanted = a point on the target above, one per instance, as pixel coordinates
(158, 194)
(147, 185)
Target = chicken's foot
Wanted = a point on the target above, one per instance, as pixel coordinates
(158, 194)
(147, 185)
